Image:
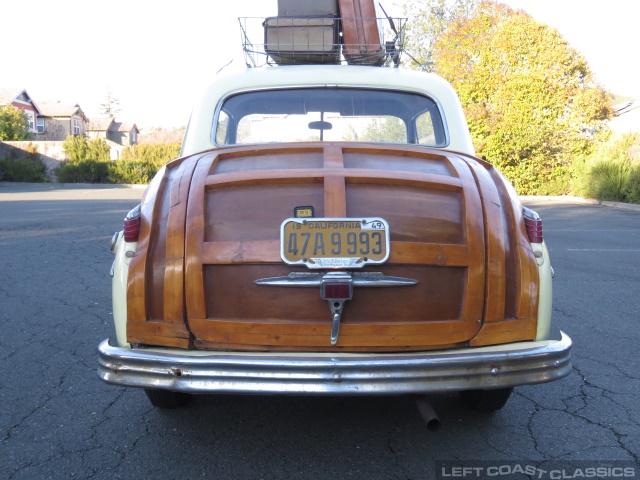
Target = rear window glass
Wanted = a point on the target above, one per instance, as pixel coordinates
(329, 114)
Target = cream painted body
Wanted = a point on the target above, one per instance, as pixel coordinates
(119, 288)
(199, 135)
(545, 298)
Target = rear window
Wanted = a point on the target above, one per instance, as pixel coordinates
(329, 114)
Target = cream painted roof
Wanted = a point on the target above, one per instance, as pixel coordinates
(199, 133)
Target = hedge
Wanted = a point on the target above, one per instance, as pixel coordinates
(612, 172)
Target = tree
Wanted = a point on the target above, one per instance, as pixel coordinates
(14, 124)
(111, 105)
(531, 100)
(78, 148)
(427, 21)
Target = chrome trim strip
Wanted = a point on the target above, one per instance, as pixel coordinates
(336, 373)
(311, 279)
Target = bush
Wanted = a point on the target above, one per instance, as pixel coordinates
(26, 168)
(83, 171)
(23, 170)
(79, 148)
(156, 154)
(89, 162)
(632, 185)
(607, 180)
(131, 171)
(612, 172)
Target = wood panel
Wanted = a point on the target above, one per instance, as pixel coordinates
(495, 289)
(152, 281)
(448, 218)
(232, 294)
(453, 206)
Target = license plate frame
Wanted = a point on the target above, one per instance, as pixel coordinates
(330, 243)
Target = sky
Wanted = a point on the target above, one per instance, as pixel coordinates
(155, 56)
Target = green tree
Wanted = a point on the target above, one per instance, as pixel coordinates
(428, 20)
(531, 100)
(75, 146)
(14, 124)
(111, 105)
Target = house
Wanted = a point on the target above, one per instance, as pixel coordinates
(20, 99)
(121, 133)
(59, 120)
(118, 135)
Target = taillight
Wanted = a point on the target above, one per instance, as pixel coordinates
(132, 225)
(533, 222)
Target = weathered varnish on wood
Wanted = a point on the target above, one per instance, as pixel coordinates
(211, 226)
(361, 36)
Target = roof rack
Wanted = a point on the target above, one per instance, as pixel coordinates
(313, 40)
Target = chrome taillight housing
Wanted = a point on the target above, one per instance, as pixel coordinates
(132, 225)
(533, 222)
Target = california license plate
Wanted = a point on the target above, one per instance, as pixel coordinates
(334, 242)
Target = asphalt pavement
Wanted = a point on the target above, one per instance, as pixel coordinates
(59, 421)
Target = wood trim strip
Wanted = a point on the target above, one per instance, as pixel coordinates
(505, 331)
(268, 251)
(473, 307)
(195, 234)
(333, 157)
(495, 290)
(261, 150)
(527, 286)
(136, 282)
(158, 333)
(352, 175)
(247, 333)
(335, 194)
(175, 246)
(202, 344)
(268, 326)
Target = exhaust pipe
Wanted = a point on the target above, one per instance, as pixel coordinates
(427, 413)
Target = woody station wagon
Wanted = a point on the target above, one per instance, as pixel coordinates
(329, 230)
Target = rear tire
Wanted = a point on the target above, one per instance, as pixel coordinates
(486, 400)
(167, 398)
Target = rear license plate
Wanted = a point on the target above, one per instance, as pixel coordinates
(334, 242)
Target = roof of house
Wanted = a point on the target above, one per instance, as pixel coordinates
(9, 95)
(57, 109)
(125, 127)
(107, 124)
(100, 125)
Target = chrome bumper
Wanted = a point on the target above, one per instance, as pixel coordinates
(336, 374)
